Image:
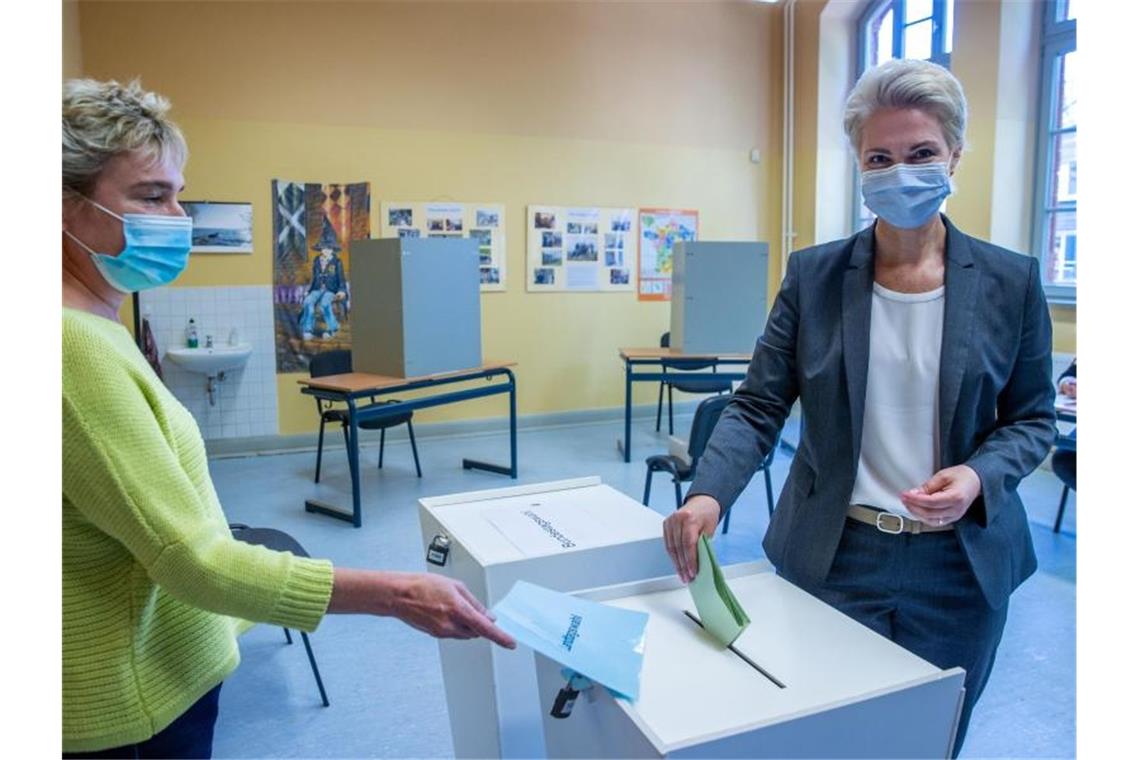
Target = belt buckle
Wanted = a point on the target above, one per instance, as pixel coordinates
(879, 523)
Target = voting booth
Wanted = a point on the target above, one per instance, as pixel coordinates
(566, 536)
(803, 680)
(415, 306)
(720, 297)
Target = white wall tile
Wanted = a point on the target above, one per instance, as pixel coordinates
(246, 401)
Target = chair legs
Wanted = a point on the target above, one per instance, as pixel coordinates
(380, 462)
(415, 452)
(312, 663)
(648, 485)
(677, 492)
(1061, 509)
(316, 672)
(768, 490)
(670, 410)
(320, 448)
(660, 396)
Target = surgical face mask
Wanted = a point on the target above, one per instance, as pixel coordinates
(906, 195)
(157, 250)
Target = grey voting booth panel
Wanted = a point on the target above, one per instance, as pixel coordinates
(843, 691)
(415, 306)
(720, 296)
(492, 698)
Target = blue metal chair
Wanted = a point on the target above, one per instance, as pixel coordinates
(339, 362)
(701, 385)
(281, 541)
(682, 470)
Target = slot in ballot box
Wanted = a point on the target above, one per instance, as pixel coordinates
(565, 535)
(804, 681)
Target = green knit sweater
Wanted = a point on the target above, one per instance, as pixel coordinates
(154, 586)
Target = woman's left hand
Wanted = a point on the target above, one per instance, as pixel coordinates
(944, 498)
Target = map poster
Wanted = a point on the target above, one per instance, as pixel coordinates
(579, 249)
(484, 222)
(659, 230)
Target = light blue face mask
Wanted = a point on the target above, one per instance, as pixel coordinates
(906, 195)
(157, 250)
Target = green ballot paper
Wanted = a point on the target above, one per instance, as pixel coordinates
(720, 613)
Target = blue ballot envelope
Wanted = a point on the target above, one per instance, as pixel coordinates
(605, 644)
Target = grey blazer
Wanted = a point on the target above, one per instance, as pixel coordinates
(995, 402)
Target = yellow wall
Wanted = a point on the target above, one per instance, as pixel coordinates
(72, 47)
(561, 103)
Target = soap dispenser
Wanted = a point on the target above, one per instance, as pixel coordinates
(191, 334)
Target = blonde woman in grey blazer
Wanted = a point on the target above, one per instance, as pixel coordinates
(921, 358)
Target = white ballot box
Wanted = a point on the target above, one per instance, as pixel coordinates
(565, 535)
(804, 681)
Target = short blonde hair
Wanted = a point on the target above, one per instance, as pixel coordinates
(908, 84)
(103, 119)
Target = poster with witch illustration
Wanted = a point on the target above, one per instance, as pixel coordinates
(313, 225)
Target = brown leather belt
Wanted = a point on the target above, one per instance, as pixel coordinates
(889, 522)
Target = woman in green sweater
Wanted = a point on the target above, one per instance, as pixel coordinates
(153, 583)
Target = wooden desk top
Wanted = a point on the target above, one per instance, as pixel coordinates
(355, 382)
(674, 353)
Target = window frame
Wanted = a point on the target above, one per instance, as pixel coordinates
(1057, 39)
(940, 55)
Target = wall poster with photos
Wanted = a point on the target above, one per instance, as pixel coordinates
(486, 222)
(658, 232)
(579, 249)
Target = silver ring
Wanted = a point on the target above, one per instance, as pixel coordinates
(941, 520)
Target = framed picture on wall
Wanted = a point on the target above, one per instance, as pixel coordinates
(221, 227)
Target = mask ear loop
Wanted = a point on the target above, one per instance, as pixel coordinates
(80, 242)
(102, 208)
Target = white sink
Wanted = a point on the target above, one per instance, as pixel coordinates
(211, 361)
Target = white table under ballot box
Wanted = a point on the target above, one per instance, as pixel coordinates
(804, 681)
(566, 535)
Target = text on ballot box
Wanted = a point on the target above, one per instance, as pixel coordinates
(567, 536)
(803, 680)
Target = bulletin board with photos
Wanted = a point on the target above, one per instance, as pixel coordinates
(580, 249)
(485, 222)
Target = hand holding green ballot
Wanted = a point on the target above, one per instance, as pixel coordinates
(720, 612)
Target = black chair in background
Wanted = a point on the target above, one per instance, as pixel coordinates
(700, 385)
(281, 541)
(1065, 468)
(339, 362)
(682, 470)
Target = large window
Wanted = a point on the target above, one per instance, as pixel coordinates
(1055, 192)
(922, 29)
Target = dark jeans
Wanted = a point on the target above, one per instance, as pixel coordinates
(191, 735)
(918, 591)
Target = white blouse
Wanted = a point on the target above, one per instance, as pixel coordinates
(899, 449)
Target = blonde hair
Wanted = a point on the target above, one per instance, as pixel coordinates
(908, 84)
(104, 119)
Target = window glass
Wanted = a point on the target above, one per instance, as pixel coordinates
(916, 10)
(882, 39)
(1059, 262)
(948, 38)
(1067, 98)
(1064, 168)
(917, 40)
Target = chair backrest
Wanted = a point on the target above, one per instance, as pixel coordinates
(682, 364)
(336, 362)
(708, 412)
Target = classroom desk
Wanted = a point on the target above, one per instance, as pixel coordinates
(641, 357)
(350, 387)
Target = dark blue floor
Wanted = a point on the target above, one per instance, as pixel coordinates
(384, 678)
